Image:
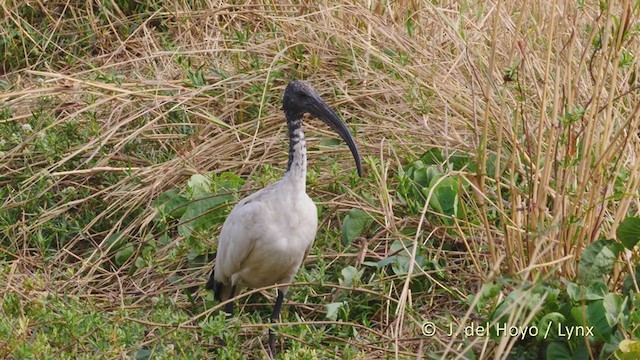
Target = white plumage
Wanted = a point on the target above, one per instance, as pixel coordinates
(266, 237)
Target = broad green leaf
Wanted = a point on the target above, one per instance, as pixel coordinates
(170, 204)
(613, 304)
(333, 308)
(581, 351)
(596, 317)
(386, 261)
(578, 314)
(461, 160)
(401, 247)
(595, 291)
(114, 242)
(166, 197)
(401, 265)
(628, 287)
(354, 223)
(574, 291)
(627, 345)
(558, 351)
(350, 275)
(139, 263)
(123, 255)
(515, 300)
(433, 172)
(164, 239)
(551, 322)
(488, 292)
(597, 260)
(629, 232)
(445, 195)
(421, 177)
(432, 157)
(143, 354)
(199, 184)
(331, 142)
(203, 213)
(228, 181)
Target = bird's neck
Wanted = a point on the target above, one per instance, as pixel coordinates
(297, 166)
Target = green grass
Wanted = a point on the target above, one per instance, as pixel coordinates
(501, 178)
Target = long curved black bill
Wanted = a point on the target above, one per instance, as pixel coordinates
(323, 112)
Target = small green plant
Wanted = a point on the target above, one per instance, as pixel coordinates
(194, 212)
(427, 178)
(576, 318)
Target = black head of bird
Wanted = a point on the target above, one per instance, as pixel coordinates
(267, 235)
(300, 98)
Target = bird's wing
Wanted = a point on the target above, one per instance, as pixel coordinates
(237, 238)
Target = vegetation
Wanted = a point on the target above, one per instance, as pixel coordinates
(500, 196)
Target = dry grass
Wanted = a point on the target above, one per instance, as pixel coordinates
(539, 93)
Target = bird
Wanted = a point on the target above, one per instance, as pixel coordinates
(268, 234)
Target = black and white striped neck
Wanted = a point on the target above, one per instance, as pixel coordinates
(297, 165)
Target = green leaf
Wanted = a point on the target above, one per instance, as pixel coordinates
(597, 260)
(630, 345)
(613, 305)
(139, 262)
(559, 351)
(550, 320)
(143, 354)
(228, 181)
(578, 315)
(629, 232)
(432, 157)
(199, 184)
(628, 286)
(487, 293)
(170, 204)
(596, 317)
(433, 172)
(401, 265)
(331, 142)
(460, 160)
(421, 177)
(333, 308)
(354, 223)
(386, 261)
(164, 239)
(595, 291)
(123, 255)
(581, 351)
(203, 213)
(401, 247)
(350, 275)
(445, 195)
(114, 242)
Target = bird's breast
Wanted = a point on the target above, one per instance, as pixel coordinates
(281, 247)
(296, 220)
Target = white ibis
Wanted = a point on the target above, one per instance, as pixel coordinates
(267, 235)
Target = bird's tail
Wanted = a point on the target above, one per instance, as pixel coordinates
(221, 292)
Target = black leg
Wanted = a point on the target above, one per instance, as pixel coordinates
(228, 308)
(274, 317)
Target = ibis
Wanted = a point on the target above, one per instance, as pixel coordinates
(268, 234)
